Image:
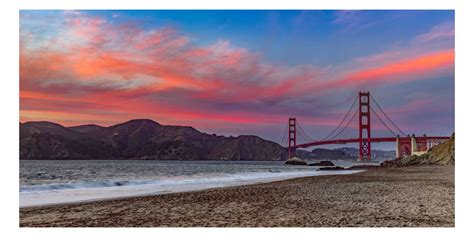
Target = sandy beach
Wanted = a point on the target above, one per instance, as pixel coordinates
(411, 196)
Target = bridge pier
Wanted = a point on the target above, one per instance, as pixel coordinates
(403, 146)
(291, 136)
(364, 126)
(397, 147)
(414, 145)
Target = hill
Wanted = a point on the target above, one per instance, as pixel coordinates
(344, 153)
(139, 139)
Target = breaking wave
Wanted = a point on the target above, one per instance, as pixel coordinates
(80, 191)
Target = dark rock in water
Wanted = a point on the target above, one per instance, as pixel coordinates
(332, 168)
(362, 167)
(322, 163)
(295, 161)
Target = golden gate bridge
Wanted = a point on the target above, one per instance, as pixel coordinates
(405, 145)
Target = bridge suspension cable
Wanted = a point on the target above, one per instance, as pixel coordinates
(380, 108)
(342, 121)
(373, 111)
(284, 139)
(304, 135)
(347, 124)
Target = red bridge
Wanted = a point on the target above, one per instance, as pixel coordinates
(404, 145)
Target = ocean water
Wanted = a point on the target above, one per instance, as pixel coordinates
(46, 182)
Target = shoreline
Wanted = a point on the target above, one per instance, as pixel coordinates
(410, 196)
(150, 195)
(153, 191)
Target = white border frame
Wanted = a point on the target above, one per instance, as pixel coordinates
(10, 110)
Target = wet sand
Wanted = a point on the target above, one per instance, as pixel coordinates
(410, 196)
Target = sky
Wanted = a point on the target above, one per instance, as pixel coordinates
(238, 72)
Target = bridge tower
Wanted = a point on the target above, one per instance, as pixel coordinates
(364, 126)
(291, 136)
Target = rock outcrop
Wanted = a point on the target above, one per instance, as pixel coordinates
(322, 163)
(295, 161)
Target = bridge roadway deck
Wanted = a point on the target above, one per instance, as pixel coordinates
(373, 139)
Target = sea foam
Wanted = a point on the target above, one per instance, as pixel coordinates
(59, 193)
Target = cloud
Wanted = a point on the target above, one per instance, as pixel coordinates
(443, 31)
(407, 69)
(87, 69)
(345, 17)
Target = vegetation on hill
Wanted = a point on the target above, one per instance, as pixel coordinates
(139, 139)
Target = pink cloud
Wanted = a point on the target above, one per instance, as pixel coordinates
(122, 69)
(411, 66)
(443, 31)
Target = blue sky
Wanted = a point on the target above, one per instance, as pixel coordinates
(321, 37)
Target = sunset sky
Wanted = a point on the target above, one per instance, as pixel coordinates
(237, 72)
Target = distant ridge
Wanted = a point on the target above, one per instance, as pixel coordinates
(88, 128)
(139, 139)
(344, 153)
